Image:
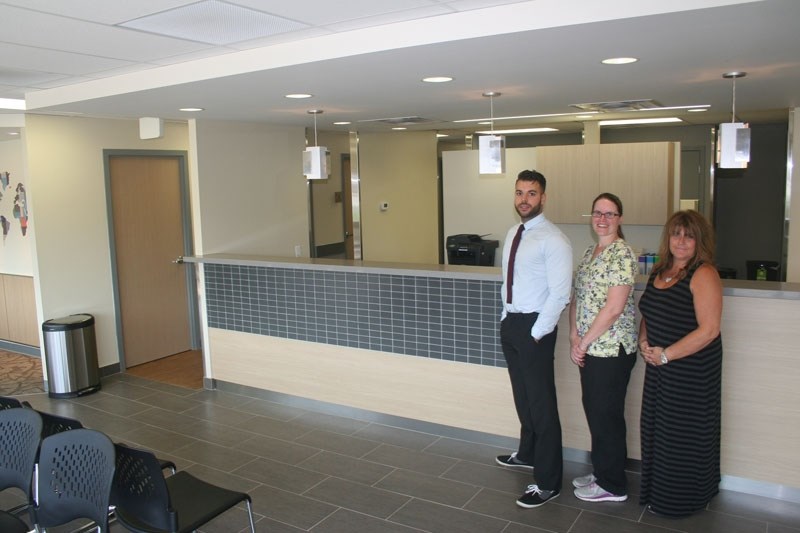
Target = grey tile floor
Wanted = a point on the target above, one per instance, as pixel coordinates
(312, 471)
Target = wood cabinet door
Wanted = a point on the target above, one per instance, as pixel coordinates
(572, 181)
(642, 175)
(20, 305)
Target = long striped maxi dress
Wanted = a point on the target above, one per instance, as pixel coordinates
(681, 408)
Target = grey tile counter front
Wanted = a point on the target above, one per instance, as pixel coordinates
(425, 316)
(448, 312)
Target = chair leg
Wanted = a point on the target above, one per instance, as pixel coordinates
(250, 514)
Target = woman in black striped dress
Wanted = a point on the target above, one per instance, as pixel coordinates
(680, 341)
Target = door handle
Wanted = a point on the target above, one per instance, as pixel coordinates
(179, 260)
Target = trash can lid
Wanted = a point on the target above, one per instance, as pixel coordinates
(68, 322)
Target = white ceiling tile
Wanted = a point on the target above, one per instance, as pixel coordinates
(469, 5)
(104, 12)
(19, 78)
(214, 22)
(323, 13)
(192, 56)
(30, 58)
(60, 82)
(389, 18)
(281, 38)
(61, 33)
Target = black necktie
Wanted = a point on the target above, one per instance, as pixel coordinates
(511, 256)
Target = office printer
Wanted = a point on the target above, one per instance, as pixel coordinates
(470, 249)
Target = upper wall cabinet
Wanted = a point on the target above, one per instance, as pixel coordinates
(573, 179)
(641, 174)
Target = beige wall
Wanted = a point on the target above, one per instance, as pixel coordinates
(399, 168)
(66, 180)
(251, 193)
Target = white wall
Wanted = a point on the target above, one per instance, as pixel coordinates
(251, 193)
(484, 204)
(15, 248)
(66, 182)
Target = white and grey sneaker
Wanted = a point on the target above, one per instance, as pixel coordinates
(596, 493)
(583, 481)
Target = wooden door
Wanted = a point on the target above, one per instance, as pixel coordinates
(147, 219)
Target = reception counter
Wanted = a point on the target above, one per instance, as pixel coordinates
(420, 342)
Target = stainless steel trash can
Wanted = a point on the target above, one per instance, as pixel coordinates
(70, 350)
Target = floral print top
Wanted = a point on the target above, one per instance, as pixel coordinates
(615, 265)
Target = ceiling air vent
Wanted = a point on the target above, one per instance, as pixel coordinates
(401, 121)
(621, 105)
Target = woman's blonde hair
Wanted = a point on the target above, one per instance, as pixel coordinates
(695, 225)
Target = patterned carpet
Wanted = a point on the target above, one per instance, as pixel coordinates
(20, 374)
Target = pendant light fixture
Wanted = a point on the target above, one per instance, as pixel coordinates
(733, 138)
(491, 148)
(316, 159)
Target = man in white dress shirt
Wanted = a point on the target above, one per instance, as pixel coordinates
(535, 291)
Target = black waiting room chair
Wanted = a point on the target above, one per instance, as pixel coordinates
(7, 402)
(147, 502)
(20, 435)
(52, 424)
(76, 470)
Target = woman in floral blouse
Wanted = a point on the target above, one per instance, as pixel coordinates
(603, 345)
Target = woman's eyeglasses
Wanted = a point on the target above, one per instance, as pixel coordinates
(607, 216)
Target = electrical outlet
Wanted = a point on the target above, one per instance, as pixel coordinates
(298, 250)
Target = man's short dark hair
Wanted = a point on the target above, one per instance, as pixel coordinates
(532, 175)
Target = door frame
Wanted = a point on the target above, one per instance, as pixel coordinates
(188, 242)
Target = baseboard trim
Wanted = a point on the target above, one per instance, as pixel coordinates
(24, 349)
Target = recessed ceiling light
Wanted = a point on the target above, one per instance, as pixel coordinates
(483, 123)
(399, 128)
(299, 95)
(13, 133)
(629, 122)
(619, 60)
(342, 123)
(667, 108)
(440, 135)
(437, 79)
(191, 109)
(697, 110)
(517, 130)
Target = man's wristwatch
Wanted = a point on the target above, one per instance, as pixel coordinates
(664, 358)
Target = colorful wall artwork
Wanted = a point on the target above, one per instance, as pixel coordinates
(20, 209)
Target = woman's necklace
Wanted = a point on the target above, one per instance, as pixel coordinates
(668, 279)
